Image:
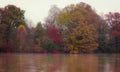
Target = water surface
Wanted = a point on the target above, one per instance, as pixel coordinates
(59, 63)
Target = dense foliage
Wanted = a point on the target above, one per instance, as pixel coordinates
(81, 33)
(76, 28)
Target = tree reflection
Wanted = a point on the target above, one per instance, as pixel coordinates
(80, 63)
(59, 63)
(117, 63)
(8, 63)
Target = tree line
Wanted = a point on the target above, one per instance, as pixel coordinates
(76, 28)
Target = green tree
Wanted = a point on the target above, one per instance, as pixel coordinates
(103, 36)
(39, 33)
(11, 16)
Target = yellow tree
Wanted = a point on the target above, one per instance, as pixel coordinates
(22, 36)
(79, 34)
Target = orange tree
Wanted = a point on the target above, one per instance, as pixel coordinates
(22, 37)
(78, 28)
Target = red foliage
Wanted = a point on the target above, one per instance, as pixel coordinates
(56, 52)
(116, 33)
(113, 20)
(54, 34)
(8, 47)
(45, 51)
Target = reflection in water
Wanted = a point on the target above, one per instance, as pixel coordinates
(117, 63)
(8, 63)
(81, 63)
(107, 63)
(59, 63)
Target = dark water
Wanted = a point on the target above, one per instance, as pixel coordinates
(59, 63)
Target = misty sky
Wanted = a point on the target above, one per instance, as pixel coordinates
(37, 10)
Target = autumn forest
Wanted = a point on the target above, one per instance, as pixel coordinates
(75, 29)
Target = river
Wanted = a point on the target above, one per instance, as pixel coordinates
(18, 62)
